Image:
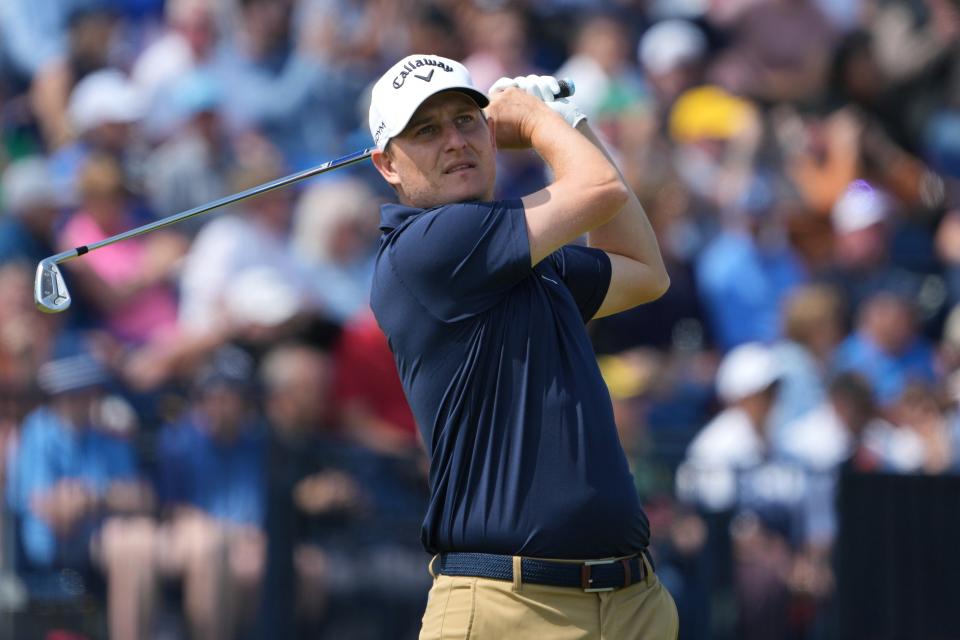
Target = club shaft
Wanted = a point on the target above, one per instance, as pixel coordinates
(343, 161)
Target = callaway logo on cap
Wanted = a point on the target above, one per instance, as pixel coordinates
(407, 84)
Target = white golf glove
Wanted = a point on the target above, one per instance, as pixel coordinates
(546, 88)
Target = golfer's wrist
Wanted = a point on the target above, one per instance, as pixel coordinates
(544, 126)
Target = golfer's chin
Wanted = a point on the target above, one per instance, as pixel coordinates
(465, 188)
(447, 191)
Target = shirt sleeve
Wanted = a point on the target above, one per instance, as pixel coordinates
(586, 272)
(459, 260)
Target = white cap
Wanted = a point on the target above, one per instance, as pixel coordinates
(401, 90)
(103, 96)
(261, 296)
(27, 183)
(669, 44)
(746, 370)
(859, 207)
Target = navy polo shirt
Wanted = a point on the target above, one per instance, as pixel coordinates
(502, 379)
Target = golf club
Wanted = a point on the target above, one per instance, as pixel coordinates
(50, 291)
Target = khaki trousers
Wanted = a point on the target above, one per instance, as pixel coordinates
(483, 609)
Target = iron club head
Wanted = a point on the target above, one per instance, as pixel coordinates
(49, 290)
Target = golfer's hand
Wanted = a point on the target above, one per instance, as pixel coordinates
(546, 88)
(516, 115)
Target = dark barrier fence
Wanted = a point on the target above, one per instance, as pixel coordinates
(898, 557)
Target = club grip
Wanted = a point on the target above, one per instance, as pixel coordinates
(567, 88)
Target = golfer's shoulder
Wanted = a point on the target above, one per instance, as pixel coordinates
(449, 224)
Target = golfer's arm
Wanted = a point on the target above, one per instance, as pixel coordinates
(638, 272)
(586, 193)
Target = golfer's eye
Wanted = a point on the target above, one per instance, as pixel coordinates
(426, 130)
(465, 120)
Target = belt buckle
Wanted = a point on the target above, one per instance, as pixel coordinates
(585, 575)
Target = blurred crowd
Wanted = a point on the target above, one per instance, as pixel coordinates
(212, 441)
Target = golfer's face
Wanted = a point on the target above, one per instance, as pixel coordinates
(446, 154)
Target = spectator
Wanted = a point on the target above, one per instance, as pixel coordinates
(27, 340)
(128, 282)
(296, 381)
(30, 209)
(71, 482)
(212, 483)
(671, 53)
(736, 438)
(339, 490)
(103, 110)
(602, 66)
(185, 45)
(862, 235)
(275, 82)
(732, 466)
(886, 348)
(434, 28)
(335, 236)
(90, 34)
(779, 51)
(748, 269)
(812, 330)
(921, 410)
(191, 168)
(226, 284)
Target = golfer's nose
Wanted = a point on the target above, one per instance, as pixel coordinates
(453, 138)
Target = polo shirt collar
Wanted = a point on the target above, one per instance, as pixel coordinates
(392, 215)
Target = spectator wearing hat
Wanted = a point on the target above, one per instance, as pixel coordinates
(863, 221)
(29, 210)
(128, 282)
(737, 437)
(75, 491)
(103, 110)
(732, 467)
(671, 53)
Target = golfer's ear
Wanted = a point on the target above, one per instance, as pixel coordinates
(384, 164)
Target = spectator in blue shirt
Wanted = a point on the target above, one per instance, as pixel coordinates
(71, 483)
(211, 488)
(484, 304)
(748, 269)
(212, 483)
(886, 349)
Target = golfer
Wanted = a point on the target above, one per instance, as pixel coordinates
(533, 520)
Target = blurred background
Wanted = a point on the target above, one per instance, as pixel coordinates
(213, 442)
